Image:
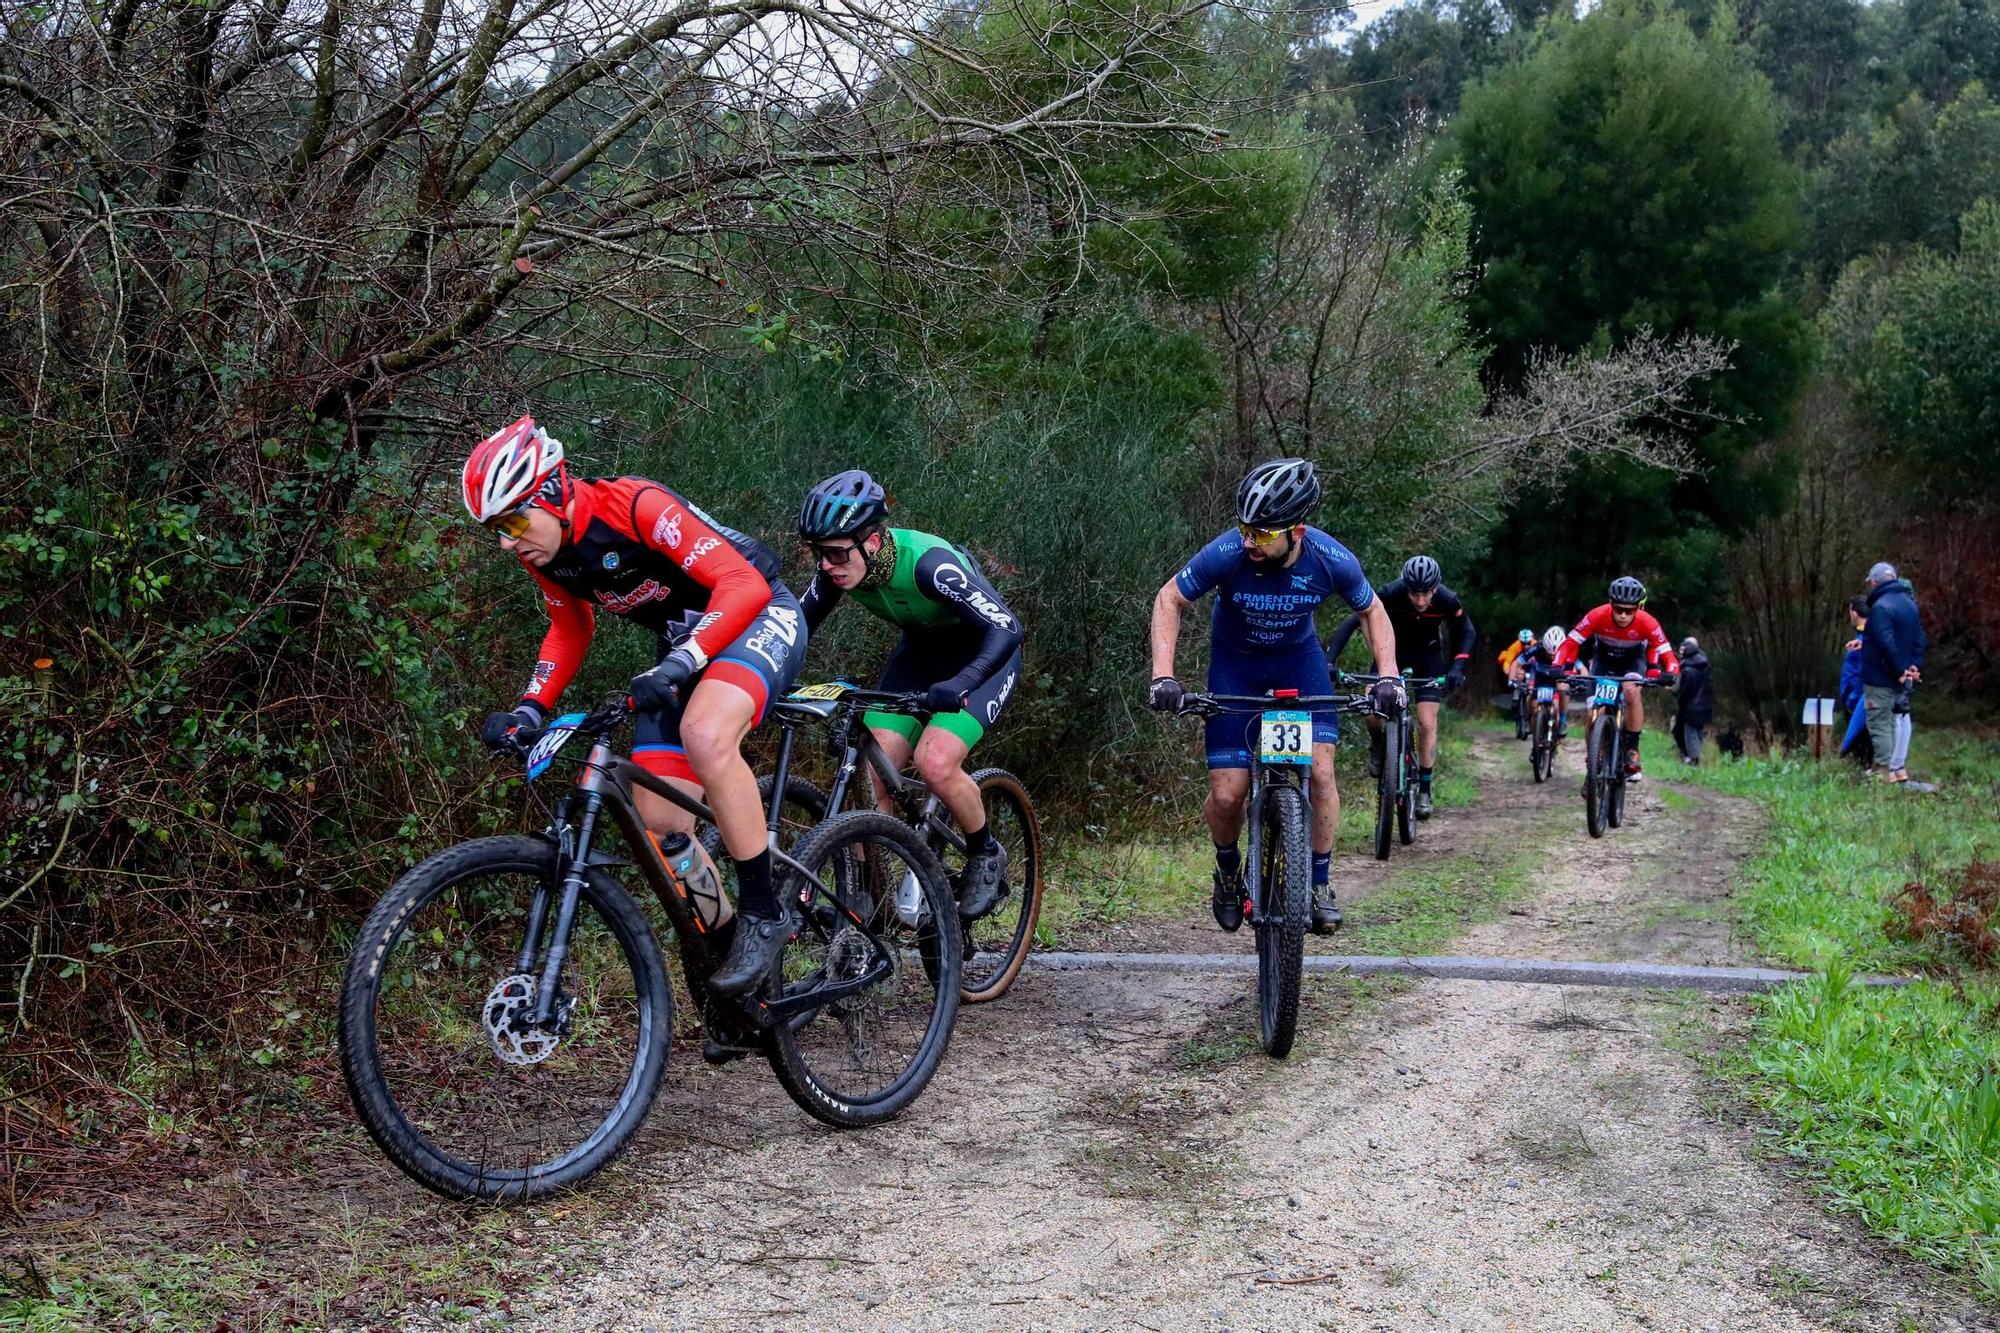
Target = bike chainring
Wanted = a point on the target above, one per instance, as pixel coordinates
(507, 1016)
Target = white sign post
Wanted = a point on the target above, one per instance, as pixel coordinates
(1818, 714)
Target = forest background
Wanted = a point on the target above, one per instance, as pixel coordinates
(1708, 294)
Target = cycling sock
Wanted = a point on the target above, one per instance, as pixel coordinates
(1632, 739)
(1424, 778)
(1227, 859)
(978, 840)
(753, 886)
(1322, 868)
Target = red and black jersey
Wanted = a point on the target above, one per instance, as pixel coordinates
(1598, 638)
(638, 550)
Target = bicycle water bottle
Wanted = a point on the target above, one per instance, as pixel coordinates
(696, 878)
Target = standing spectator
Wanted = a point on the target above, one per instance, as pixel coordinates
(1695, 704)
(1892, 654)
(1856, 741)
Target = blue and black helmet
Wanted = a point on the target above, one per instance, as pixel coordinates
(841, 506)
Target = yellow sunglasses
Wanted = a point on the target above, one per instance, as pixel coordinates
(1260, 536)
(514, 525)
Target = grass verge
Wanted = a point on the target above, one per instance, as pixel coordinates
(1889, 1097)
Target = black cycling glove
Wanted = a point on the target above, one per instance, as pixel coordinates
(1165, 694)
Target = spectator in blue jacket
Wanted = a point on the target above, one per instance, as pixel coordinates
(1892, 654)
(1855, 742)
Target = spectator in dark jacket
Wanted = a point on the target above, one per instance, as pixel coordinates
(1695, 704)
(1892, 653)
(1856, 742)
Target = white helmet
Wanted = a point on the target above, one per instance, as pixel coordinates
(1552, 638)
(507, 468)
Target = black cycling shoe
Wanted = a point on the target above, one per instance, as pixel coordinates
(1228, 900)
(1423, 804)
(983, 882)
(754, 952)
(1326, 915)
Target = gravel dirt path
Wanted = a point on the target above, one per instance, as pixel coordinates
(1109, 1151)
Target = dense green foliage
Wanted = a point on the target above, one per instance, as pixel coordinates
(1625, 174)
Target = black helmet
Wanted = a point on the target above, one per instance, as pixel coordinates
(1278, 494)
(1628, 591)
(842, 505)
(1421, 574)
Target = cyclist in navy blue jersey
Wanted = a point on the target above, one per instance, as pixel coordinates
(1270, 575)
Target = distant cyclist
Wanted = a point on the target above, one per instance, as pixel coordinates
(1270, 574)
(1519, 644)
(1434, 638)
(1535, 666)
(729, 636)
(961, 647)
(1622, 638)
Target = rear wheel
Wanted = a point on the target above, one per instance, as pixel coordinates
(997, 944)
(1283, 912)
(863, 1056)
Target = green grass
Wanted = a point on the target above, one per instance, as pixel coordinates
(1890, 1097)
(1422, 910)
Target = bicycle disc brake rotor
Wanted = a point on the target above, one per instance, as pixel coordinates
(507, 1016)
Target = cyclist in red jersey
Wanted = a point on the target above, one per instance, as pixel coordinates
(1622, 638)
(730, 637)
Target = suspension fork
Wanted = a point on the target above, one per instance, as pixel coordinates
(1253, 814)
(572, 860)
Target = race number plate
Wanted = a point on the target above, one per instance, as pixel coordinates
(1287, 738)
(1606, 695)
(832, 689)
(544, 752)
(1545, 694)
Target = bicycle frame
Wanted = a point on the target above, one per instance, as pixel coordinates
(605, 783)
(854, 744)
(1261, 779)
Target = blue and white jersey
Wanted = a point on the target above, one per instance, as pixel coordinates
(1265, 606)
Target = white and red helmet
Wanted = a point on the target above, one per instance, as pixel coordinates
(508, 467)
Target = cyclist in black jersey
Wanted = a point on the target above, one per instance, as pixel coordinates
(1434, 637)
(961, 645)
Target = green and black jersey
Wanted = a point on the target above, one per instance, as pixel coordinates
(956, 629)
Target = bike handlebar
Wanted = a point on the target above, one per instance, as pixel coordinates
(1215, 705)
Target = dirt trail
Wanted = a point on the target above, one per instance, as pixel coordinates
(1105, 1151)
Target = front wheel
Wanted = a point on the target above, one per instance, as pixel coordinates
(880, 941)
(1520, 719)
(1600, 753)
(1386, 786)
(1284, 906)
(1544, 756)
(1406, 800)
(997, 944)
(448, 1070)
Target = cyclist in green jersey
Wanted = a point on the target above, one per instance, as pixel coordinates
(961, 647)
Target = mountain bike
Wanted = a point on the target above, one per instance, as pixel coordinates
(1277, 871)
(1395, 765)
(1604, 775)
(506, 1015)
(1546, 731)
(995, 945)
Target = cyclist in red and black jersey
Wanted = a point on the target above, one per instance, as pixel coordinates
(1622, 638)
(730, 637)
